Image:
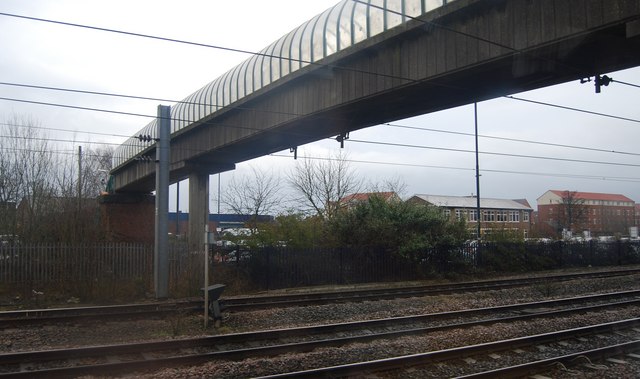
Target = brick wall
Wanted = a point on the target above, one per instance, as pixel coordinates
(128, 217)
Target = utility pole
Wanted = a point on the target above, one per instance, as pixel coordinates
(178, 208)
(79, 178)
(161, 255)
(77, 224)
(475, 116)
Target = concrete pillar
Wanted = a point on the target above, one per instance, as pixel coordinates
(198, 209)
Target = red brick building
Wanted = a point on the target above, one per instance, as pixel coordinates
(594, 214)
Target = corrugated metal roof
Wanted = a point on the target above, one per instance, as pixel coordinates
(339, 27)
(471, 202)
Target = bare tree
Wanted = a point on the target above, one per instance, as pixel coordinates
(97, 162)
(76, 188)
(573, 211)
(39, 185)
(321, 183)
(395, 185)
(8, 190)
(253, 195)
(27, 171)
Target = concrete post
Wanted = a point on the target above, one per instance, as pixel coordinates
(198, 209)
(161, 253)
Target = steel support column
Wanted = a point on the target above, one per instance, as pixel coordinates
(161, 254)
(198, 209)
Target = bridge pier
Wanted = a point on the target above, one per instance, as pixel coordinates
(128, 217)
(198, 209)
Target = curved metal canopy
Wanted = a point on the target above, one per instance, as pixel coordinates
(339, 27)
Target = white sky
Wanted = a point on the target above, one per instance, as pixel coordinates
(44, 54)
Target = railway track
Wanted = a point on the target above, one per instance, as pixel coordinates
(258, 302)
(10, 319)
(524, 350)
(248, 303)
(114, 359)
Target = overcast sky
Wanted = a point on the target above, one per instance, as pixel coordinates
(43, 54)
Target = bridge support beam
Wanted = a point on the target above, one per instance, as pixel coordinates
(198, 209)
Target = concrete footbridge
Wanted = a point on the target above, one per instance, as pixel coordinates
(362, 63)
(365, 62)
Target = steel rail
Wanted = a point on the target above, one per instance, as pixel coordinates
(274, 335)
(74, 314)
(258, 302)
(238, 304)
(567, 360)
(421, 359)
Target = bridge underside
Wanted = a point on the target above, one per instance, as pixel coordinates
(415, 69)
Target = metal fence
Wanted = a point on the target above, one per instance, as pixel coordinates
(85, 267)
(48, 263)
(36, 266)
(272, 268)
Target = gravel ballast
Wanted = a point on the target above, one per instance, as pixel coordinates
(61, 336)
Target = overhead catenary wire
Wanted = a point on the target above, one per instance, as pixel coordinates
(431, 23)
(400, 164)
(625, 83)
(389, 124)
(494, 153)
(171, 40)
(254, 53)
(574, 176)
(64, 130)
(71, 152)
(510, 97)
(199, 44)
(572, 109)
(60, 140)
(243, 51)
(138, 97)
(407, 145)
(430, 148)
(394, 125)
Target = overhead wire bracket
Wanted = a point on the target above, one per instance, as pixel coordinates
(599, 81)
(341, 138)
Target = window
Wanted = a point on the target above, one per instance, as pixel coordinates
(473, 215)
(514, 216)
(459, 214)
(489, 216)
(447, 213)
(526, 216)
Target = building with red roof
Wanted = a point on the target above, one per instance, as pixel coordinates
(595, 214)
